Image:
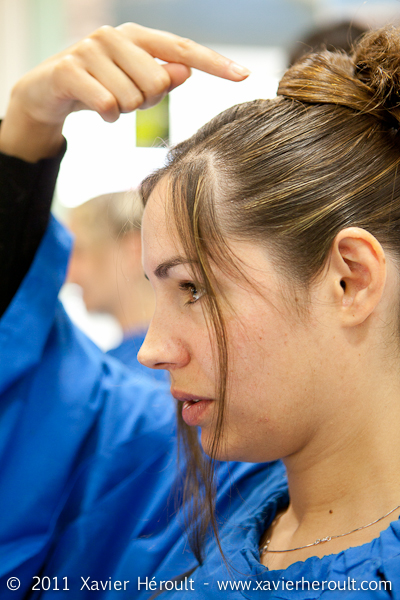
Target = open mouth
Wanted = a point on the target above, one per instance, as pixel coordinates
(193, 410)
(188, 403)
(193, 407)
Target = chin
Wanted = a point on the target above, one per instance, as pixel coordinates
(228, 450)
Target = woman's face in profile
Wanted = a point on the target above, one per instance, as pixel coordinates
(276, 357)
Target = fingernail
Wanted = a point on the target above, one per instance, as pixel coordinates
(239, 70)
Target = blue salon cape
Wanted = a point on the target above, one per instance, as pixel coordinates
(370, 571)
(89, 469)
(83, 439)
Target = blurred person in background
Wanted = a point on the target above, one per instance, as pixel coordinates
(106, 264)
(340, 36)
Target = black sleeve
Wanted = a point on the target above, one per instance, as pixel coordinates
(26, 192)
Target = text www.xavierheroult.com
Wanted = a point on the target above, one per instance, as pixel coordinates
(303, 584)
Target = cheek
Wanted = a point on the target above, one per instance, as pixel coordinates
(267, 348)
(268, 389)
(259, 349)
(203, 350)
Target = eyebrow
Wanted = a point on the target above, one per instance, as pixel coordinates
(161, 272)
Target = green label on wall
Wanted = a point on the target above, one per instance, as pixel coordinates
(152, 125)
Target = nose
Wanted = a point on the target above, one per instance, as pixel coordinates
(162, 349)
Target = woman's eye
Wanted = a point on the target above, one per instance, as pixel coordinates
(194, 292)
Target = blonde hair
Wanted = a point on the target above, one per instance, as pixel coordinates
(110, 215)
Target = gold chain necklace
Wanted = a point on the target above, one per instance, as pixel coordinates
(265, 548)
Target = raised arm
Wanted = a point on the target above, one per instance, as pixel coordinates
(112, 71)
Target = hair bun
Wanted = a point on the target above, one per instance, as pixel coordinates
(367, 81)
(377, 65)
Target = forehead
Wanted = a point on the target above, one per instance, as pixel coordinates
(159, 236)
(246, 262)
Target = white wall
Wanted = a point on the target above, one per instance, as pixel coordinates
(14, 43)
(203, 96)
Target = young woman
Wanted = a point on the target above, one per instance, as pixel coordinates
(271, 240)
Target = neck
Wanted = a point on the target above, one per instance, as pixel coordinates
(340, 481)
(348, 472)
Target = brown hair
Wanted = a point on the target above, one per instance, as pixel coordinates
(288, 173)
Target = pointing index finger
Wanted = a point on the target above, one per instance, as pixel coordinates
(173, 48)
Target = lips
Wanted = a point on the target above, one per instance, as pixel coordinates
(194, 407)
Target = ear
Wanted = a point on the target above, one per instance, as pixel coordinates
(358, 270)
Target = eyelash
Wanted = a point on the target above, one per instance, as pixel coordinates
(193, 289)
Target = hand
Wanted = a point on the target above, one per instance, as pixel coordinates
(112, 71)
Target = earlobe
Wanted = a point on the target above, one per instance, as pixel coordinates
(359, 266)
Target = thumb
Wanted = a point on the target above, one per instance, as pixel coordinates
(178, 74)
